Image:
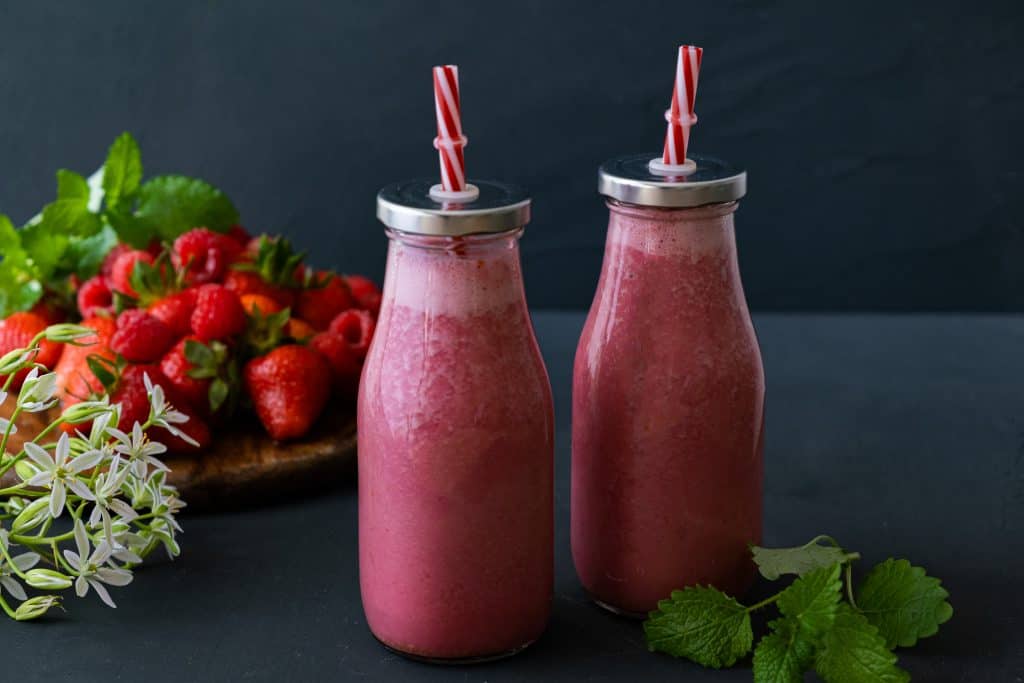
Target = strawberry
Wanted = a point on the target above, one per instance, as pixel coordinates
(120, 279)
(325, 298)
(218, 313)
(175, 310)
(366, 294)
(289, 388)
(261, 303)
(75, 380)
(298, 329)
(140, 337)
(196, 428)
(17, 331)
(274, 265)
(108, 261)
(345, 364)
(204, 375)
(243, 282)
(202, 254)
(94, 297)
(356, 328)
(50, 312)
(176, 368)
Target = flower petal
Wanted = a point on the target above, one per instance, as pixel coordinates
(81, 541)
(13, 587)
(25, 561)
(57, 498)
(114, 577)
(102, 592)
(39, 456)
(86, 461)
(80, 489)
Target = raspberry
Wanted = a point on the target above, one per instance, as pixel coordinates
(175, 311)
(121, 270)
(366, 294)
(320, 304)
(344, 362)
(94, 297)
(356, 328)
(108, 261)
(218, 313)
(202, 254)
(17, 332)
(140, 337)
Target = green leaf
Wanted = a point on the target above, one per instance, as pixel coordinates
(218, 394)
(19, 290)
(783, 655)
(104, 371)
(129, 229)
(774, 562)
(811, 601)
(70, 185)
(903, 602)
(701, 624)
(122, 172)
(171, 205)
(199, 354)
(84, 256)
(44, 247)
(853, 652)
(71, 217)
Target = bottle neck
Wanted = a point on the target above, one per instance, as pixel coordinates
(463, 275)
(681, 233)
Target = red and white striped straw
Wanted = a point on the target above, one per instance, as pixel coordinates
(450, 140)
(680, 115)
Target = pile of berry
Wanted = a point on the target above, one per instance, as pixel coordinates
(221, 321)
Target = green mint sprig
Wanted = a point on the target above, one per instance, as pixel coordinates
(846, 636)
(72, 234)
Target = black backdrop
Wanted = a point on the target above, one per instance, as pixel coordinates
(882, 139)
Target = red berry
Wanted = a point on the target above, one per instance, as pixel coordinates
(318, 305)
(244, 282)
(75, 381)
(140, 337)
(365, 292)
(261, 302)
(121, 271)
(289, 388)
(175, 311)
(94, 297)
(17, 332)
(345, 364)
(176, 367)
(218, 313)
(108, 261)
(202, 254)
(49, 312)
(196, 428)
(356, 328)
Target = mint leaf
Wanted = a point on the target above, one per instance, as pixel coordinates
(171, 205)
(903, 602)
(9, 238)
(853, 652)
(19, 288)
(71, 217)
(701, 624)
(811, 601)
(783, 655)
(84, 256)
(70, 185)
(774, 562)
(122, 171)
(44, 247)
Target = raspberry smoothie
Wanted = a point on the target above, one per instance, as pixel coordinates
(668, 400)
(455, 454)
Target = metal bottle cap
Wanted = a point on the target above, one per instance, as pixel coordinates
(629, 179)
(408, 207)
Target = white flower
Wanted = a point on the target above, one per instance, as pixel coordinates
(22, 563)
(99, 433)
(139, 449)
(58, 474)
(163, 413)
(92, 569)
(106, 491)
(37, 392)
(6, 424)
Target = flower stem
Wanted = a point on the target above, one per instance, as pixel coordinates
(764, 603)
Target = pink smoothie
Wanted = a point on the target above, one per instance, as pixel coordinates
(668, 413)
(456, 443)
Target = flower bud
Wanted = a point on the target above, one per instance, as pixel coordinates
(47, 579)
(13, 361)
(37, 391)
(32, 516)
(85, 411)
(36, 607)
(25, 470)
(66, 332)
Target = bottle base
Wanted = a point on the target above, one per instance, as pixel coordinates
(617, 611)
(455, 661)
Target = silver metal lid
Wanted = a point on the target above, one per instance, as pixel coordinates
(408, 207)
(629, 179)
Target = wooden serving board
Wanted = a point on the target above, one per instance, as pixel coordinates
(244, 466)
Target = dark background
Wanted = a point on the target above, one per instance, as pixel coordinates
(882, 139)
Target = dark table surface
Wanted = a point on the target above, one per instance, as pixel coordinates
(899, 435)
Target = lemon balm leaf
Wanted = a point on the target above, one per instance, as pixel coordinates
(783, 655)
(812, 600)
(853, 652)
(903, 602)
(774, 562)
(122, 171)
(701, 624)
